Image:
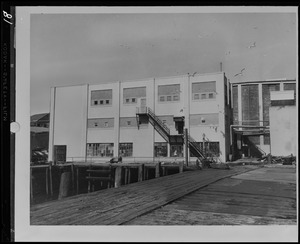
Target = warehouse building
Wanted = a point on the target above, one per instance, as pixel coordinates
(264, 118)
(144, 120)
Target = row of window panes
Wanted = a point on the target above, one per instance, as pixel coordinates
(126, 149)
(169, 98)
(106, 123)
(202, 96)
(165, 98)
(211, 149)
(101, 102)
(130, 100)
(100, 149)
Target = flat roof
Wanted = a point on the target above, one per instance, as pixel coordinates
(262, 81)
(146, 79)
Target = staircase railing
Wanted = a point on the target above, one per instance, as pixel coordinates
(158, 121)
(158, 125)
(251, 144)
(192, 143)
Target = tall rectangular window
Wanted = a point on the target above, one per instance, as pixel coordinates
(126, 149)
(101, 97)
(266, 89)
(169, 93)
(100, 149)
(250, 105)
(235, 104)
(161, 149)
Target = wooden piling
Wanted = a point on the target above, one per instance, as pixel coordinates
(64, 187)
(118, 176)
(31, 188)
(50, 179)
(180, 167)
(47, 190)
(141, 172)
(126, 176)
(129, 176)
(73, 179)
(157, 170)
(77, 179)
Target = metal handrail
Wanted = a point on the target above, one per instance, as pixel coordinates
(152, 114)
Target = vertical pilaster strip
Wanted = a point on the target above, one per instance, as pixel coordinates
(260, 107)
(153, 147)
(52, 121)
(87, 118)
(240, 115)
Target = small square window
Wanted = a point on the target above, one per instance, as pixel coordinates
(203, 96)
(106, 124)
(107, 101)
(169, 98)
(129, 122)
(133, 100)
(162, 98)
(196, 96)
(101, 101)
(210, 95)
(175, 98)
(95, 102)
(127, 100)
(164, 121)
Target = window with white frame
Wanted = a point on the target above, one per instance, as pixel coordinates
(131, 95)
(203, 90)
(101, 97)
(169, 93)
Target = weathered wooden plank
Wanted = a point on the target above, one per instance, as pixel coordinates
(164, 184)
(96, 178)
(141, 197)
(165, 216)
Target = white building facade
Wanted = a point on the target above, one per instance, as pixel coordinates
(98, 122)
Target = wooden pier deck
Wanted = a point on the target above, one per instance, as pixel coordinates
(116, 206)
(265, 196)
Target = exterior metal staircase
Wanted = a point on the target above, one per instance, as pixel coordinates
(164, 131)
(257, 151)
(158, 125)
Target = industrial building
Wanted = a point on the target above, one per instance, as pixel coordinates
(181, 117)
(264, 118)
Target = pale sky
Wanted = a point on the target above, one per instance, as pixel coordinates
(69, 49)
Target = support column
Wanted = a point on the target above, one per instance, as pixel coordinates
(240, 116)
(117, 122)
(51, 124)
